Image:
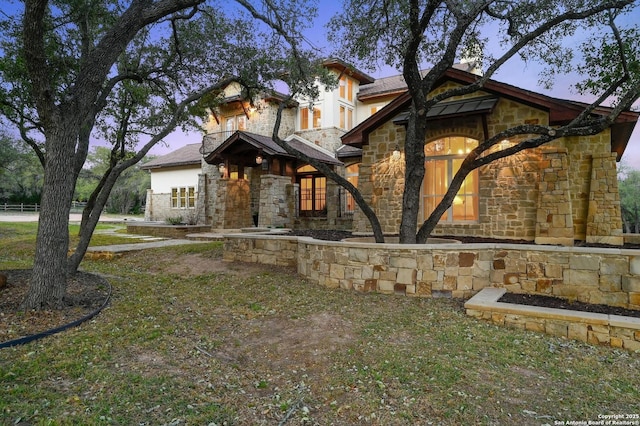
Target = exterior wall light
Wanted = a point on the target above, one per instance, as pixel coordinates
(396, 152)
(258, 159)
(221, 169)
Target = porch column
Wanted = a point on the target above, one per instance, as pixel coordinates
(604, 219)
(274, 208)
(554, 218)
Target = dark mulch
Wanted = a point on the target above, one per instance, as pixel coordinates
(335, 235)
(85, 294)
(555, 302)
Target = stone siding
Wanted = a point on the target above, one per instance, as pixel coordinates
(232, 208)
(158, 209)
(598, 276)
(274, 208)
(558, 193)
(597, 329)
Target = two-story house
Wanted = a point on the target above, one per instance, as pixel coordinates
(558, 193)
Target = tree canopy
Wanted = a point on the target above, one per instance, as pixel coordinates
(128, 73)
(424, 39)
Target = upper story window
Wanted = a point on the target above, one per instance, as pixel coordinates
(346, 117)
(346, 88)
(374, 109)
(443, 158)
(314, 116)
(233, 123)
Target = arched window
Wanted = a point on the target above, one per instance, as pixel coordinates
(313, 191)
(443, 158)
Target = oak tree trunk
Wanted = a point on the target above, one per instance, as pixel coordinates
(49, 280)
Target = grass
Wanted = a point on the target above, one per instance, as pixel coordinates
(244, 345)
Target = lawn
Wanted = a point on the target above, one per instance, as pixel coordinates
(190, 339)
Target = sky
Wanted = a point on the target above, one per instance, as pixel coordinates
(515, 72)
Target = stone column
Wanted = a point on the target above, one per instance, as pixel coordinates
(554, 218)
(148, 206)
(201, 201)
(604, 219)
(274, 207)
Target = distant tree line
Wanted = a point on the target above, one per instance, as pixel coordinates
(21, 177)
(629, 184)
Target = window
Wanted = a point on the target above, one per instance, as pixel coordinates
(183, 197)
(317, 118)
(351, 173)
(313, 191)
(346, 88)
(443, 159)
(374, 109)
(346, 118)
(238, 122)
(304, 118)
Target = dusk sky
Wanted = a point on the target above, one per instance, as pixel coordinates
(514, 72)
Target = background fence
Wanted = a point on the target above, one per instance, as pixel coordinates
(76, 207)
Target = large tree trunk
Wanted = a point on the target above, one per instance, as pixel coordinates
(414, 175)
(49, 280)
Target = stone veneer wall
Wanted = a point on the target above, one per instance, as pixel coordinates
(604, 221)
(597, 329)
(524, 196)
(232, 205)
(599, 276)
(274, 208)
(158, 208)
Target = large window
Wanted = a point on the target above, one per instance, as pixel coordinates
(443, 158)
(313, 191)
(346, 117)
(316, 116)
(183, 197)
(346, 88)
(351, 173)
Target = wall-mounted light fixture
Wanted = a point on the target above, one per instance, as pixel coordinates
(396, 152)
(259, 159)
(221, 169)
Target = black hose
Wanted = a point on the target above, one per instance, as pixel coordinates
(32, 337)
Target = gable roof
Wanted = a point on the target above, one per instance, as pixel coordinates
(188, 155)
(560, 111)
(245, 144)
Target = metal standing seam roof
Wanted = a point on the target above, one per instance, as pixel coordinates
(455, 108)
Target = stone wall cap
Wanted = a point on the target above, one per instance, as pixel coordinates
(625, 322)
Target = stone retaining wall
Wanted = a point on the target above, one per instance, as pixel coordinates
(597, 329)
(600, 276)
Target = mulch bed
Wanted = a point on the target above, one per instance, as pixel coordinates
(334, 235)
(85, 293)
(556, 302)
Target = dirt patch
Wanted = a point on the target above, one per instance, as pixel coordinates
(194, 264)
(555, 302)
(286, 343)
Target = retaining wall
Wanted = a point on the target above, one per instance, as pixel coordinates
(592, 275)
